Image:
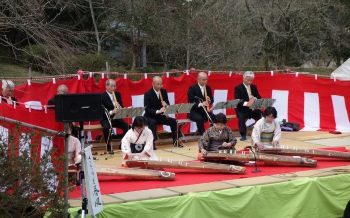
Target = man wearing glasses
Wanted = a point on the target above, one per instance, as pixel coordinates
(7, 92)
(156, 100)
(62, 89)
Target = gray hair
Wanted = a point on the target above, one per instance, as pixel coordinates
(7, 83)
(109, 81)
(248, 73)
(60, 87)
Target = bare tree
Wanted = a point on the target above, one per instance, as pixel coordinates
(35, 24)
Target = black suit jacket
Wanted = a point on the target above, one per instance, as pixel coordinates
(107, 102)
(241, 93)
(153, 103)
(195, 91)
(51, 101)
(12, 98)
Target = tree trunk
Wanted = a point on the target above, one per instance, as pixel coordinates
(95, 27)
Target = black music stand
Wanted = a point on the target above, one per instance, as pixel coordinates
(178, 109)
(262, 103)
(226, 104)
(129, 112)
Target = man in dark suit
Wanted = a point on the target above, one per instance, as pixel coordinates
(111, 101)
(247, 92)
(61, 89)
(156, 100)
(201, 95)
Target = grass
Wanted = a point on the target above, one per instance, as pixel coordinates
(8, 70)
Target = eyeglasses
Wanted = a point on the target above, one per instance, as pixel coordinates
(62, 92)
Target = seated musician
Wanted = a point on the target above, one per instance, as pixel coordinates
(267, 131)
(247, 92)
(61, 89)
(217, 137)
(74, 147)
(201, 95)
(137, 144)
(111, 101)
(74, 157)
(8, 87)
(156, 100)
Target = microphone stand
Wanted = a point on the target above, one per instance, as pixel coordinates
(256, 164)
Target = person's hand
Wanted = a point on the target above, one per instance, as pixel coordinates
(114, 110)
(203, 151)
(208, 99)
(259, 145)
(226, 145)
(205, 104)
(129, 156)
(164, 104)
(118, 105)
(162, 110)
(274, 143)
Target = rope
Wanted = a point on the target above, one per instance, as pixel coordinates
(85, 73)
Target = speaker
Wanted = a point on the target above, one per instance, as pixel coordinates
(78, 107)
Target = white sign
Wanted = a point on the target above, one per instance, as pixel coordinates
(91, 183)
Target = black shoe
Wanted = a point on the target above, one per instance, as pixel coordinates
(154, 147)
(110, 152)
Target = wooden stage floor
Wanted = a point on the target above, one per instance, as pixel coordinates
(307, 140)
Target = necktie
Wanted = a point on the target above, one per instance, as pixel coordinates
(249, 91)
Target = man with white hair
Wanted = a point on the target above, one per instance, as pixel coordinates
(246, 91)
(8, 87)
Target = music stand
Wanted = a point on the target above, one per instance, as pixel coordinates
(136, 111)
(178, 109)
(262, 103)
(226, 104)
(268, 102)
(128, 112)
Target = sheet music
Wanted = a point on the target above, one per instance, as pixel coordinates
(226, 104)
(233, 103)
(219, 105)
(128, 112)
(137, 111)
(172, 109)
(121, 113)
(185, 108)
(262, 103)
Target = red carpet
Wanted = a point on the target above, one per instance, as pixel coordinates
(111, 185)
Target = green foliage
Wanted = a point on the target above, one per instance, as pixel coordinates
(29, 184)
(97, 63)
